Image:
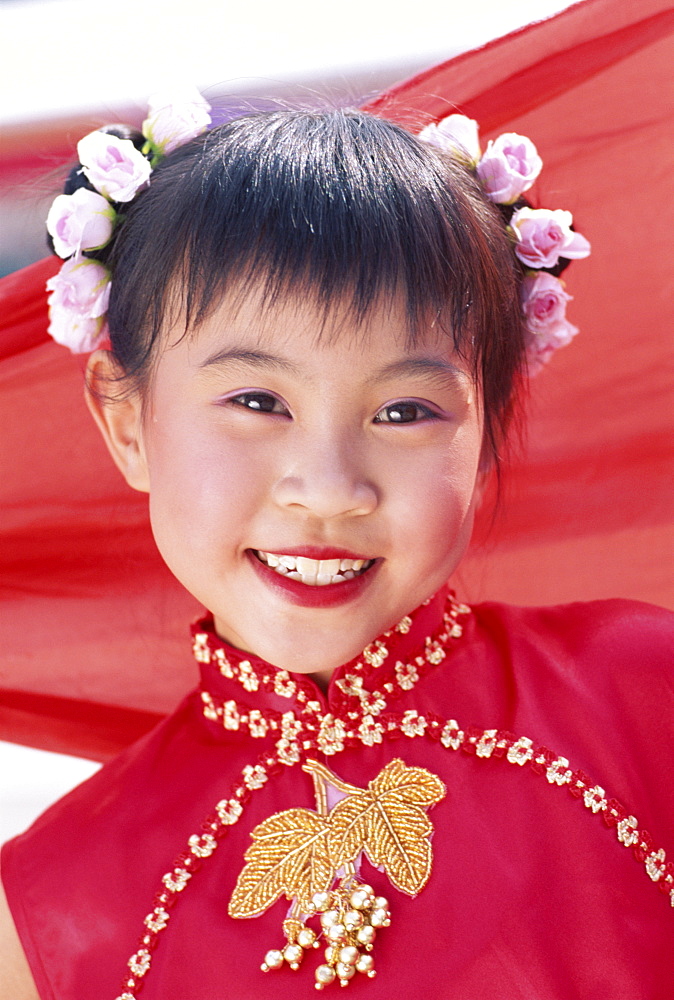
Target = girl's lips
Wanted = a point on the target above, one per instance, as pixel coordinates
(339, 588)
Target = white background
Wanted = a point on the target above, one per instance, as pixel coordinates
(60, 55)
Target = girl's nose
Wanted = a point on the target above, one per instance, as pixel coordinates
(327, 482)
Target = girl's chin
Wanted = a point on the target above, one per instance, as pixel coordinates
(304, 655)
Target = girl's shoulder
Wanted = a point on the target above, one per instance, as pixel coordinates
(616, 636)
(616, 655)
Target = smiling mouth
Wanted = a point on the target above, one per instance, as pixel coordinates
(314, 572)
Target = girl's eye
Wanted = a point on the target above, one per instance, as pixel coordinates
(405, 412)
(260, 402)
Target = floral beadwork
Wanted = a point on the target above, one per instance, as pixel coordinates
(305, 730)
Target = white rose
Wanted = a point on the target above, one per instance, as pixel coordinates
(83, 220)
(174, 119)
(456, 133)
(114, 166)
(78, 302)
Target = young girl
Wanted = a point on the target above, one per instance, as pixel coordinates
(316, 348)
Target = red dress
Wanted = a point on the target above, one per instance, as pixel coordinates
(503, 776)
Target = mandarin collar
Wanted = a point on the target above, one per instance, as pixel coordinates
(232, 680)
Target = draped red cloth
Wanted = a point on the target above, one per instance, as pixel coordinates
(588, 507)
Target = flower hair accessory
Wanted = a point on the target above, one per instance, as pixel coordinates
(83, 222)
(544, 240)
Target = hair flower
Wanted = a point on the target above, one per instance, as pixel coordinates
(113, 166)
(174, 119)
(80, 221)
(85, 220)
(455, 134)
(508, 167)
(544, 301)
(78, 304)
(544, 235)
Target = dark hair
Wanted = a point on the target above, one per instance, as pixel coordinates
(340, 205)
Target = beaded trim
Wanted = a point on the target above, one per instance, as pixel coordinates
(329, 734)
(355, 702)
(354, 697)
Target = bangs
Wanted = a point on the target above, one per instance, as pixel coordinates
(337, 207)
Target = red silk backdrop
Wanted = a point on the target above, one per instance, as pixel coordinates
(92, 626)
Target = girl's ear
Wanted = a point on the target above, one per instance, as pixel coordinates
(118, 415)
(481, 483)
(485, 471)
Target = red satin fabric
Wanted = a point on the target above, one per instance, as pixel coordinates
(588, 504)
(531, 894)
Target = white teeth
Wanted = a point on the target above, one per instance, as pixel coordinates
(314, 572)
(308, 568)
(330, 566)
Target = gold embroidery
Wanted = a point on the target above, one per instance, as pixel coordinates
(302, 854)
(288, 855)
(388, 822)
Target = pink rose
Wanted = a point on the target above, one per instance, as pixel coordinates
(80, 221)
(544, 235)
(544, 307)
(509, 166)
(174, 119)
(454, 133)
(114, 166)
(78, 303)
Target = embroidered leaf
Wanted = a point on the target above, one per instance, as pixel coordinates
(398, 842)
(412, 784)
(349, 827)
(388, 825)
(289, 854)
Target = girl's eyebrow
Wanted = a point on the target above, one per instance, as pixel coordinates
(437, 368)
(256, 358)
(433, 366)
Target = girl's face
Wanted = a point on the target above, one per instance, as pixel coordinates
(309, 492)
